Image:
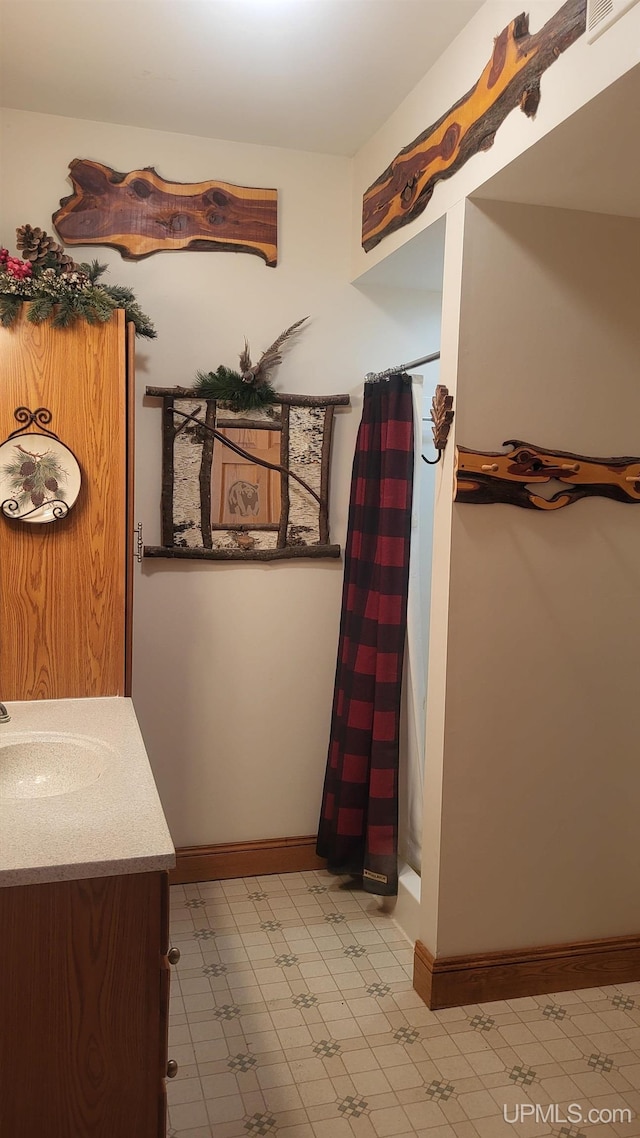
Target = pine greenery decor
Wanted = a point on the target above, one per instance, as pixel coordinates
(250, 387)
(228, 387)
(58, 290)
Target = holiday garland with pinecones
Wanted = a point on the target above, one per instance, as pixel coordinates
(58, 289)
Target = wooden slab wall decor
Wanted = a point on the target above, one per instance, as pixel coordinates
(140, 213)
(245, 485)
(483, 477)
(510, 79)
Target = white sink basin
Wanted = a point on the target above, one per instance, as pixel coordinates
(41, 764)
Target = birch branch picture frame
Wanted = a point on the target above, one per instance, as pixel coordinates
(245, 485)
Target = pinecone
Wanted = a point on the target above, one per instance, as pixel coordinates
(36, 246)
(64, 261)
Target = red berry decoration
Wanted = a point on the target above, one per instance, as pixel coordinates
(18, 269)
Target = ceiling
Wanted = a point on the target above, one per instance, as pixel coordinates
(319, 75)
(590, 162)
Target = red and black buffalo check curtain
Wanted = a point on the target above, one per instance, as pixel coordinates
(358, 831)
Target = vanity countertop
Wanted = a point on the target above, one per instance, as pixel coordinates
(114, 824)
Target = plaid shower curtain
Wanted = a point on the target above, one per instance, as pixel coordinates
(358, 830)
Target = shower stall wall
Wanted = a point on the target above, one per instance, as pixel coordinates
(412, 739)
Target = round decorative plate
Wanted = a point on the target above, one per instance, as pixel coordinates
(40, 478)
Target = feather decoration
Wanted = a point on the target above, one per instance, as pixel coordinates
(259, 373)
(250, 387)
(245, 357)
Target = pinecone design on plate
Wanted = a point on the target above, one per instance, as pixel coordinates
(37, 245)
(36, 478)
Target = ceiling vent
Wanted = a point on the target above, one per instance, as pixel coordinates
(601, 14)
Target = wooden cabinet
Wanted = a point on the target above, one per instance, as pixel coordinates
(84, 1008)
(65, 587)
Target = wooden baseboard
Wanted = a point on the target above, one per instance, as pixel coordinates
(245, 859)
(446, 982)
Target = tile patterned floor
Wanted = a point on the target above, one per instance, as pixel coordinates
(293, 1016)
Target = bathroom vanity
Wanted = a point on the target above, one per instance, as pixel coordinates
(84, 854)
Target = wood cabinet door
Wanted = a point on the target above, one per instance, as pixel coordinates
(130, 504)
(80, 1016)
(165, 985)
(62, 584)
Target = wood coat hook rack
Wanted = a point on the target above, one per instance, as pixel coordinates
(517, 477)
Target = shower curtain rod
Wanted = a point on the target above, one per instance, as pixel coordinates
(371, 376)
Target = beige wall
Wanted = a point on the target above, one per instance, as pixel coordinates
(234, 664)
(578, 76)
(537, 766)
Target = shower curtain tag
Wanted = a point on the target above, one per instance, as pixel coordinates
(375, 876)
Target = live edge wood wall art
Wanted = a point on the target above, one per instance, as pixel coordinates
(245, 485)
(510, 79)
(140, 213)
(519, 476)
